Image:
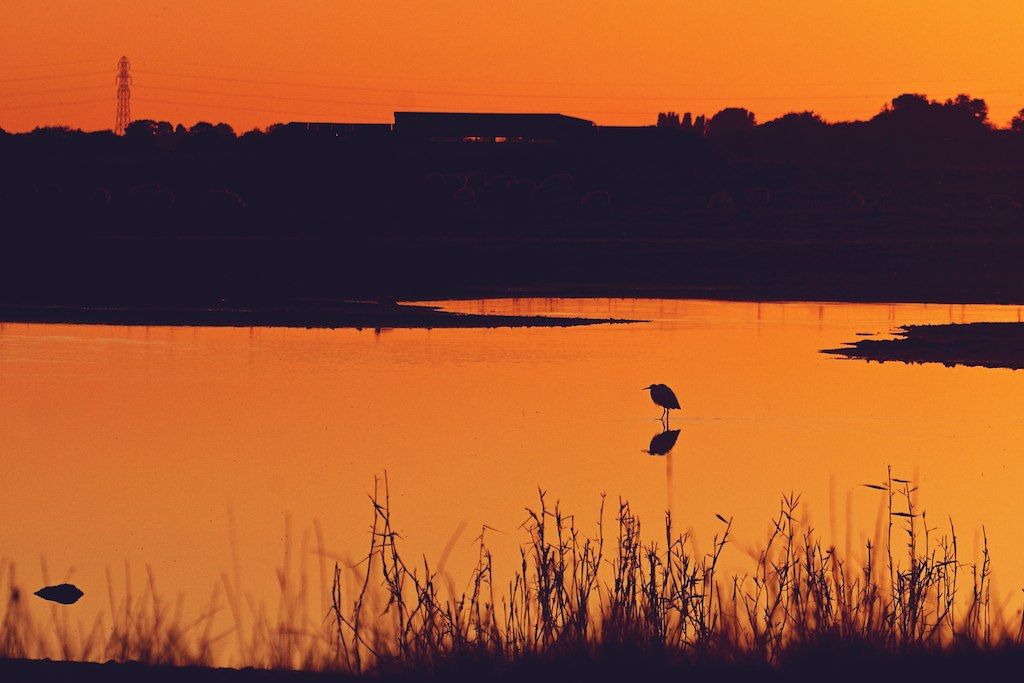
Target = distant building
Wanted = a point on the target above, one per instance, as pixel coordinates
(467, 127)
(454, 127)
(348, 131)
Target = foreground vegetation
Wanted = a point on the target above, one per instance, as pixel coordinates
(604, 605)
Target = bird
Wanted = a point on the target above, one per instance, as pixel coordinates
(64, 593)
(663, 396)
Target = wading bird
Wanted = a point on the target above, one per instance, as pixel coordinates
(664, 397)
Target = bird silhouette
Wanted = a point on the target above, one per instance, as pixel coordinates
(64, 593)
(662, 443)
(664, 397)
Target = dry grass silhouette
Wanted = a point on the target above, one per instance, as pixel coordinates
(573, 595)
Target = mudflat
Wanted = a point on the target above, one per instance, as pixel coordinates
(338, 314)
(990, 345)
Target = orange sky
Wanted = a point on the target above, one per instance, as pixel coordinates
(613, 62)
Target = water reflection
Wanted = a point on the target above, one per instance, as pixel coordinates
(664, 442)
(662, 445)
(316, 414)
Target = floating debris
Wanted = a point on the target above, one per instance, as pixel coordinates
(65, 593)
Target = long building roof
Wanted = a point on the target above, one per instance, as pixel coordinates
(455, 124)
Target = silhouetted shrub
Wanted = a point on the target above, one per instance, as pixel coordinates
(1002, 202)
(731, 122)
(720, 201)
(100, 198)
(521, 194)
(150, 197)
(222, 199)
(758, 196)
(596, 200)
(1017, 123)
(465, 196)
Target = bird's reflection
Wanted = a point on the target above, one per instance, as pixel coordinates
(662, 443)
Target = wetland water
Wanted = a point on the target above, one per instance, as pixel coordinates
(198, 451)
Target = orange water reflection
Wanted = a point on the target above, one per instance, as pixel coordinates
(141, 444)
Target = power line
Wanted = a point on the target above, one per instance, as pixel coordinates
(390, 103)
(337, 74)
(463, 93)
(466, 93)
(51, 65)
(264, 97)
(390, 107)
(53, 104)
(633, 83)
(48, 91)
(50, 77)
(324, 86)
(216, 106)
(410, 93)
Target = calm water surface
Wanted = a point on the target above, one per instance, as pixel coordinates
(199, 450)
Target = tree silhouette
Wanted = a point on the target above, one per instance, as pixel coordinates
(1017, 123)
(731, 122)
(686, 122)
(147, 128)
(796, 123)
(910, 103)
(220, 131)
(668, 120)
(969, 107)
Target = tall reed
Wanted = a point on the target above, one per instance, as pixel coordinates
(573, 593)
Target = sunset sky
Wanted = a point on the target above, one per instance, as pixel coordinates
(254, 62)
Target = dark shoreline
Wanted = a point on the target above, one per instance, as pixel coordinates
(421, 314)
(303, 282)
(989, 345)
(359, 315)
(828, 661)
(157, 273)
